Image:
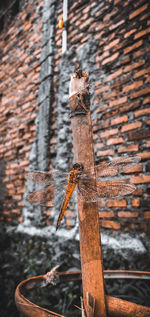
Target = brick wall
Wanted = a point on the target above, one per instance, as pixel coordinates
(20, 46)
(110, 40)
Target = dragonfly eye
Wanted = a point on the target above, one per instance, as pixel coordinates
(78, 166)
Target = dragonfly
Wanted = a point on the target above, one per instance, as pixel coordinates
(90, 185)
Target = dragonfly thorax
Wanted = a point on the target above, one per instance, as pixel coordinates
(78, 166)
(75, 173)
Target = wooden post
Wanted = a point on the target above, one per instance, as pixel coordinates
(90, 242)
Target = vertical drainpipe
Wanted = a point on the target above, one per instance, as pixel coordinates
(64, 33)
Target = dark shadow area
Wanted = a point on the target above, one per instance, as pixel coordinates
(23, 256)
(8, 10)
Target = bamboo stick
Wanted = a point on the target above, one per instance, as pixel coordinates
(90, 241)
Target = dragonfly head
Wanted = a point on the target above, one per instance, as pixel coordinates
(78, 167)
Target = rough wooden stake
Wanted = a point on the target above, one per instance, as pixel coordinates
(91, 305)
(90, 242)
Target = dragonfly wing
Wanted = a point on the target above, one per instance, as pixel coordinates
(46, 178)
(87, 190)
(91, 191)
(125, 161)
(103, 170)
(43, 178)
(117, 165)
(111, 189)
(41, 196)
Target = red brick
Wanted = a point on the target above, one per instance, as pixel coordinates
(69, 213)
(144, 17)
(137, 3)
(118, 102)
(9, 186)
(147, 49)
(108, 133)
(110, 59)
(119, 120)
(11, 172)
(137, 54)
(128, 148)
(146, 100)
(142, 112)
(139, 93)
(147, 79)
(99, 35)
(111, 44)
(129, 33)
(116, 1)
(117, 203)
(111, 95)
(6, 212)
(138, 11)
(114, 26)
(140, 179)
(16, 211)
(113, 141)
(109, 15)
(102, 125)
(95, 137)
(110, 224)
(102, 89)
(17, 197)
(99, 145)
(127, 214)
(132, 47)
(114, 75)
(133, 86)
(139, 134)
(141, 33)
(14, 165)
(144, 155)
(141, 72)
(24, 163)
(138, 192)
(98, 83)
(106, 214)
(96, 102)
(11, 192)
(147, 143)
(135, 202)
(130, 67)
(21, 190)
(102, 56)
(147, 215)
(69, 223)
(134, 169)
(148, 121)
(105, 153)
(131, 126)
(125, 60)
(20, 219)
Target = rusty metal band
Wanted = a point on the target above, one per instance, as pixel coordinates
(30, 309)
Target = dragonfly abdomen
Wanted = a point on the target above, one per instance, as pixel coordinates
(68, 193)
